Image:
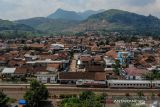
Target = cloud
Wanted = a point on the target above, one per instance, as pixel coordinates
(138, 2)
(28, 8)
(21, 9)
(5, 6)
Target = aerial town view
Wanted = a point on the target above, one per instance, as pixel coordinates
(79, 53)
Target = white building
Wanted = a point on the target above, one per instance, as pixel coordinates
(47, 78)
(10, 71)
(57, 46)
(108, 63)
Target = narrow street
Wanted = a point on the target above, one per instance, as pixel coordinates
(72, 67)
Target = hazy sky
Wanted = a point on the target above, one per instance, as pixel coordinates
(21, 9)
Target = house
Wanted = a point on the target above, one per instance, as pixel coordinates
(53, 67)
(94, 49)
(124, 58)
(20, 71)
(110, 74)
(98, 59)
(120, 44)
(84, 61)
(16, 62)
(72, 77)
(12, 46)
(3, 61)
(57, 47)
(133, 73)
(109, 61)
(47, 78)
(94, 68)
(36, 46)
(39, 69)
(8, 72)
(105, 48)
(52, 57)
(29, 57)
(112, 53)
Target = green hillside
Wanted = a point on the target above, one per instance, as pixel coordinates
(121, 21)
(48, 25)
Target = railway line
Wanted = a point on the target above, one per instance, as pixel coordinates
(68, 86)
(18, 90)
(27, 85)
(60, 88)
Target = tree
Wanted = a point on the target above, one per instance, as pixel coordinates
(3, 98)
(125, 104)
(86, 95)
(85, 99)
(70, 102)
(154, 75)
(116, 67)
(37, 93)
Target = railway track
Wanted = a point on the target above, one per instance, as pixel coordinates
(27, 85)
(71, 87)
(17, 91)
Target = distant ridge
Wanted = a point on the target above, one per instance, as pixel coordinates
(71, 15)
(121, 21)
(6, 25)
(67, 15)
(48, 25)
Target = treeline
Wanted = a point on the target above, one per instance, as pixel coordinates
(17, 34)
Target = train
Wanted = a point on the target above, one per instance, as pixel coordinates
(117, 84)
(90, 83)
(133, 84)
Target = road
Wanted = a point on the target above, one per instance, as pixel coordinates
(73, 67)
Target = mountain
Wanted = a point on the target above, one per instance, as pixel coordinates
(6, 25)
(48, 25)
(9, 29)
(112, 20)
(88, 13)
(122, 21)
(58, 21)
(67, 15)
(71, 15)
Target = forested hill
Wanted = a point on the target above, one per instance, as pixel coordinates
(124, 21)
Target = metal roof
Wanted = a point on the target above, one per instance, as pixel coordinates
(8, 70)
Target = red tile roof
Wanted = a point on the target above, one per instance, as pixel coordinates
(86, 58)
(54, 65)
(97, 58)
(135, 71)
(16, 62)
(53, 57)
(36, 45)
(112, 53)
(21, 70)
(39, 69)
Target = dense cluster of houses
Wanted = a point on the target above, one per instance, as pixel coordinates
(66, 59)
